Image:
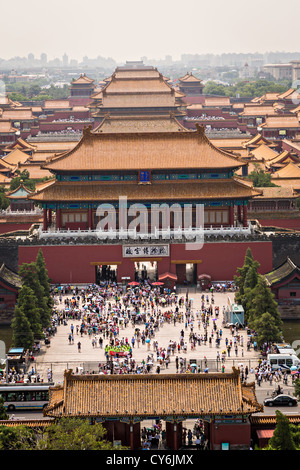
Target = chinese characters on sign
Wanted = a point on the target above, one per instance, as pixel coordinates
(144, 176)
(148, 250)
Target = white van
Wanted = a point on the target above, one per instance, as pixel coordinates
(283, 361)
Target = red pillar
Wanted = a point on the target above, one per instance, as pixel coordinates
(50, 216)
(90, 223)
(175, 445)
(231, 216)
(245, 219)
(239, 213)
(131, 436)
(45, 222)
(58, 218)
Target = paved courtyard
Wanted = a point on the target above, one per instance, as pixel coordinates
(63, 354)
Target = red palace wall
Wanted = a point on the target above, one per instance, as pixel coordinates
(236, 435)
(76, 263)
(282, 223)
(12, 227)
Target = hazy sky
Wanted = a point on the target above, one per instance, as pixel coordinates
(130, 29)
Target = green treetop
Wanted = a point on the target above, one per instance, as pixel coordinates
(282, 438)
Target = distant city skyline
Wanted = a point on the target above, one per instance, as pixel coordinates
(134, 29)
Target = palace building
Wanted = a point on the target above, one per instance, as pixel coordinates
(122, 402)
(190, 85)
(132, 176)
(145, 167)
(136, 91)
(81, 90)
(139, 193)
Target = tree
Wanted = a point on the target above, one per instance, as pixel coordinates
(267, 330)
(74, 434)
(15, 96)
(297, 388)
(22, 334)
(242, 275)
(4, 201)
(244, 295)
(22, 177)
(43, 276)
(245, 88)
(261, 179)
(17, 438)
(282, 438)
(3, 413)
(261, 300)
(29, 274)
(296, 435)
(27, 302)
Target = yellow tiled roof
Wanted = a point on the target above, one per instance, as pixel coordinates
(31, 423)
(258, 139)
(217, 101)
(53, 104)
(148, 395)
(6, 127)
(83, 79)
(288, 171)
(166, 190)
(277, 192)
(34, 169)
(258, 110)
(21, 144)
(284, 157)
(137, 88)
(16, 156)
(16, 114)
(189, 77)
(281, 121)
(263, 152)
(139, 124)
(144, 150)
(272, 419)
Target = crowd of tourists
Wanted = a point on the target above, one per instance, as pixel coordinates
(264, 373)
(105, 312)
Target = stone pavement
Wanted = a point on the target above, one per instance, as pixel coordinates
(61, 355)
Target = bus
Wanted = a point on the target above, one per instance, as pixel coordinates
(283, 361)
(25, 396)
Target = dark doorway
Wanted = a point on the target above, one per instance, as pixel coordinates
(106, 273)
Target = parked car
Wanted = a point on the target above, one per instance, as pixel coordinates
(281, 400)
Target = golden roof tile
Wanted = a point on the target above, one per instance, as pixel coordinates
(54, 104)
(258, 110)
(21, 144)
(189, 77)
(277, 192)
(15, 157)
(288, 94)
(83, 80)
(18, 114)
(144, 150)
(159, 191)
(217, 101)
(31, 423)
(263, 152)
(166, 395)
(257, 140)
(290, 170)
(139, 124)
(6, 127)
(142, 87)
(281, 121)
